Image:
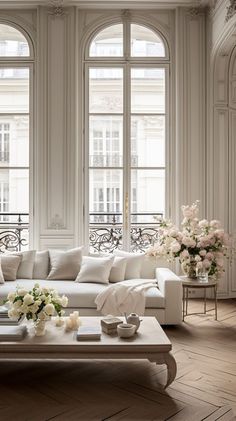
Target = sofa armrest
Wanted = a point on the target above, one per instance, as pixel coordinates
(170, 285)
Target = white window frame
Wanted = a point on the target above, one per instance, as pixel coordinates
(126, 62)
(15, 62)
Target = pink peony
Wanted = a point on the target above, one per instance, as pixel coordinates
(203, 223)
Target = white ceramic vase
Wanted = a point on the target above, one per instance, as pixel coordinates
(40, 327)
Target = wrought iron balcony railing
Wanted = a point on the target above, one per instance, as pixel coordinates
(14, 231)
(106, 232)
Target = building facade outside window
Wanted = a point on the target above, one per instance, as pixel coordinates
(126, 103)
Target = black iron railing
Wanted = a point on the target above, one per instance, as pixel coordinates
(106, 232)
(14, 231)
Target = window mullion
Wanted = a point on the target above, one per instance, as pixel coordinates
(126, 146)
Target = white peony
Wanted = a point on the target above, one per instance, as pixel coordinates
(197, 258)
(49, 309)
(202, 252)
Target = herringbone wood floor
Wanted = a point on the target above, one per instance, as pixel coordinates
(204, 389)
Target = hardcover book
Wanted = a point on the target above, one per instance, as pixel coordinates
(88, 333)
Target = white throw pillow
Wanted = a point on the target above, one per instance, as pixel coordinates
(25, 270)
(41, 265)
(10, 265)
(65, 264)
(1, 274)
(95, 269)
(117, 273)
(133, 263)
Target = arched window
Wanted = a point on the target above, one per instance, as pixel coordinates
(15, 74)
(126, 67)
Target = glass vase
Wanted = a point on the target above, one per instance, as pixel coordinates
(40, 327)
(190, 269)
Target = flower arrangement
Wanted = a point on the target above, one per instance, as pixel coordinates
(37, 304)
(201, 245)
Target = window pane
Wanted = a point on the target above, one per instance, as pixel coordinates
(14, 90)
(145, 43)
(147, 141)
(105, 196)
(15, 197)
(106, 141)
(108, 42)
(147, 194)
(12, 42)
(14, 141)
(147, 90)
(105, 90)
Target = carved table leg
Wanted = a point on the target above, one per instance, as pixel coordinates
(169, 360)
(171, 369)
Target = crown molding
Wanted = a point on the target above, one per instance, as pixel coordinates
(111, 4)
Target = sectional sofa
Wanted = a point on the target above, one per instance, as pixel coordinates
(163, 301)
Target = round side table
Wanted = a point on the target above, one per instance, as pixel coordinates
(189, 283)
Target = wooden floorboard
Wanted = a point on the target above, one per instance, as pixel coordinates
(204, 388)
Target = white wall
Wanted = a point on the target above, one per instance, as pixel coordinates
(199, 150)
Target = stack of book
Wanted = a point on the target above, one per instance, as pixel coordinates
(88, 333)
(109, 325)
(5, 320)
(12, 333)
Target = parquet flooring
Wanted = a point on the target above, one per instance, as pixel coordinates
(204, 389)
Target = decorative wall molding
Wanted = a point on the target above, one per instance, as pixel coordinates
(231, 10)
(57, 9)
(196, 12)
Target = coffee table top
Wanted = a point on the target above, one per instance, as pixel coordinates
(150, 337)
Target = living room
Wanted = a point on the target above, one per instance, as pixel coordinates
(117, 156)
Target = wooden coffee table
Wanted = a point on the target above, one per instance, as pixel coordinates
(149, 343)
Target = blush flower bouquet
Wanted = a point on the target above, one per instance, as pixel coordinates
(201, 245)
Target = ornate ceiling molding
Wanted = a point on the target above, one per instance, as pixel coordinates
(231, 10)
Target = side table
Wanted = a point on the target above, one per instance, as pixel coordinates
(189, 283)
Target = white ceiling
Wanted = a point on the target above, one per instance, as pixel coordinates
(108, 3)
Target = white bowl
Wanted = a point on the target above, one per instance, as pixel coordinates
(125, 330)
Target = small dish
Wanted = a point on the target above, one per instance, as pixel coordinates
(126, 330)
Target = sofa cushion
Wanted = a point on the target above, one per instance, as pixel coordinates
(117, 272)
(41, 265)
(10, 265)
(26, 266)
(95, 269)
(80, 295)
(133, 263)
(1, 275)
(65, 264)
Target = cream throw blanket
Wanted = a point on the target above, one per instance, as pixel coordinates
(124, 297)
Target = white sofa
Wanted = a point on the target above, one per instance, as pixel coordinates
(164, 301)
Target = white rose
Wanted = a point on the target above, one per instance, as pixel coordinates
(49, 309)
(22, 292)
(34, 308)
(17, 304)
(64, 301)
(13, 314)
(28, 299)
(24, 309)
(11, 296)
